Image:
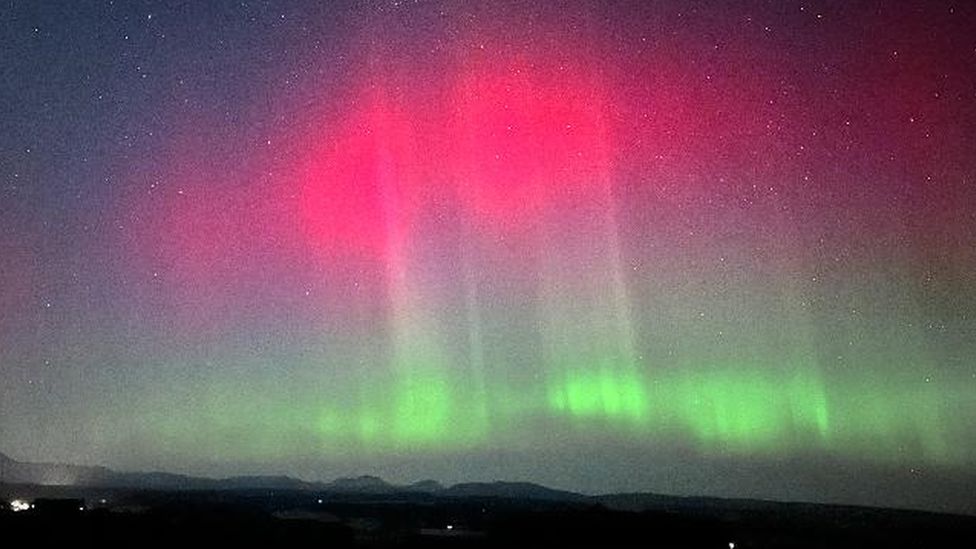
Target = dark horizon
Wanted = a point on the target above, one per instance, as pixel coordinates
(954, 490)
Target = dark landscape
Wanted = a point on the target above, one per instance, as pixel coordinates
(104, 507)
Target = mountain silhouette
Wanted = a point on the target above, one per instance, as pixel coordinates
(18, 472)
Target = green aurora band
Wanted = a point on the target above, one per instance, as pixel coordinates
(731, 409)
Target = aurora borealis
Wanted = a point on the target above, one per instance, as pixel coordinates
(727, 249)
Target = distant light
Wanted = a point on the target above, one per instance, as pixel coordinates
(18, 505)
(102, 501)
(320, 500)
(731, 545)
(450, 526)
(82, 508)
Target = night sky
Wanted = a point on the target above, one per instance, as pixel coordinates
(726, 250)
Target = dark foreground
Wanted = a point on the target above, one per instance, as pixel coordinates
(274, 518)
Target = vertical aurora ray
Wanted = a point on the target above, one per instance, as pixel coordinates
(477, 396)
(421, 401)
(592, 367)
(418, 406)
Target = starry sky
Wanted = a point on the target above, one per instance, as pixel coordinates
(726, 248)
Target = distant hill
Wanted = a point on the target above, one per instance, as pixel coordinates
(369, 484)
(511, 490)
(365, 484)
(18, 472)
(58, 474)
